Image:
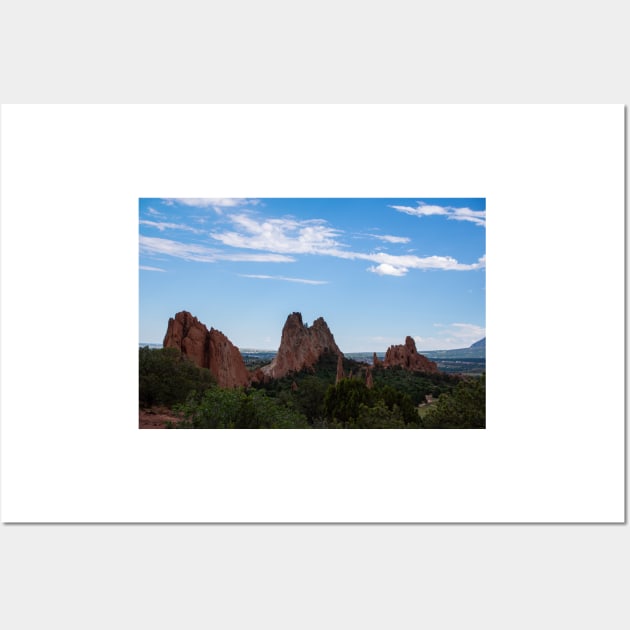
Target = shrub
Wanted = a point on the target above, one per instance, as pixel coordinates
(167, 378)
(462, 408)
(221, 408)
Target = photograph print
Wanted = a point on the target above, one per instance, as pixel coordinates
(313, 313)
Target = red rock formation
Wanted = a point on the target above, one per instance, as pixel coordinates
(407, 357)
(226, 362)
(301, 346)
(208, 349)
(257, 376)
(187, 334)
(339, 369)
(369, 381)
(376, 361)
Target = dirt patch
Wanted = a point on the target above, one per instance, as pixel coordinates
(157, 417)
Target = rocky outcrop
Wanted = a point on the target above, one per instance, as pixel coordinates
(187, 334)
(376, 361)
(340, 374)
(407, 357)
(208, 349)
(301, 346)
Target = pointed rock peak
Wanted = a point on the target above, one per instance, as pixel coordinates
(207, 348)
(411, 344)
(185, 319)
(185, 316)
(301, 346)
(294, 318)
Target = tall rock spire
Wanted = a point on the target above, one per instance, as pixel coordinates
(369, 382)
(339, 370)
(207, 349)
(301, 346)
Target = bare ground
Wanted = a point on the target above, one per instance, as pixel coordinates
(156, 418)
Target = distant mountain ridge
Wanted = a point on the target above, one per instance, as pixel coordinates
(476, 351)
(366, 355)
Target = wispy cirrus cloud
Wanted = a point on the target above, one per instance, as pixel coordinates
(391, 239)
(286, 235)
(393, 265)
(164, 225)
(315, 236)
(285, 278)
(478, 217)
(146, 268)
(199, 253)
(217, 203)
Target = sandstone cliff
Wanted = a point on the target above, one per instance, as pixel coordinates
(208, 349)
(407, 357)
(301, 346)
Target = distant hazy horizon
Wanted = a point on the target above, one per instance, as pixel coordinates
(377, 270)
(379, 353)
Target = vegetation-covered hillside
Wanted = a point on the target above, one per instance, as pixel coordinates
(397, 399)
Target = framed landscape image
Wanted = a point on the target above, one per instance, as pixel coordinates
(394, 288)
(275, 250)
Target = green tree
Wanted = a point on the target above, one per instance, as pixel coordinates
(167, 378)
(394, 398)
(237, 409)
(342, 402)
(463, 408)
(379, 417)
(309, 398)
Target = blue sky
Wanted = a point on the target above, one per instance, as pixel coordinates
(377, 270)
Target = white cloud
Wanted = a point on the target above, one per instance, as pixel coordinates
(478, 217)
(280, 235)
(391, 239)
(145, 268)
(199, 253)
(162, 225)
(385, 269)
(216, 203)
(421, 210)
(276, 258)
(315, 236)
(451, 336)
(466, 214)
(300, 280)
(155, 213)
(186, 251)
(427, 262)
(468, 331)
(445, 263)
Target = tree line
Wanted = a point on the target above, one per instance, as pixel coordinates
(310, 399)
